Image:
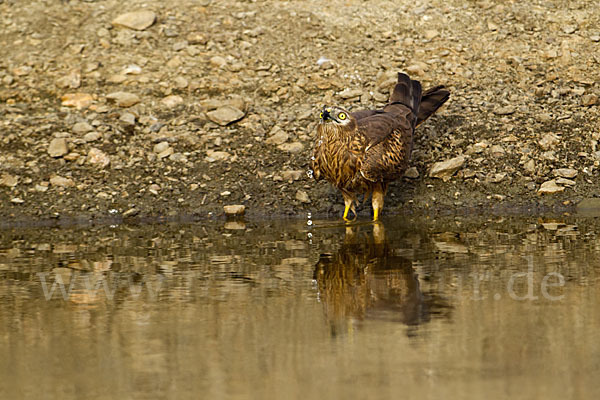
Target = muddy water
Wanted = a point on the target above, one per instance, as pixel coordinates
(454, 308)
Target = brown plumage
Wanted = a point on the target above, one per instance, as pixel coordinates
(362, 152)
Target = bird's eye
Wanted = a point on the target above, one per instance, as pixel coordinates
(342, 116)
(321, 115)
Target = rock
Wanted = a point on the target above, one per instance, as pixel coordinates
(507, 110)
(350, 93)
(234, 225)
(291, 176)
(132, 212)
(548, 141)
(430, 34)
(58, 147)
(497, 150)
(238, 209)
(565, 172)
(550, 187)
(168, 152)
(81, 128)
(72, 81)
(417, 68)
(569, 29)
(212, 156)
(178, 157)
(565, 182)
(302, 196)
(295, 147)
(127, 119)
(9, 180)
(595, 38)
(92, 136)
(411, 173)
(132, 69)
(57, 180)
(225, 115)
(41, 188)
(180, 82)
(218, 61)
(589, 100)
(123, 99)
(277, 136)
(530, 167)
(98, 158)
(445, 169)
(137, 20)
(172, 101)
(77, 100)
(160, 147)
(17, 200)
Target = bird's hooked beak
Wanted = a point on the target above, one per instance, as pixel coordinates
(326, 114)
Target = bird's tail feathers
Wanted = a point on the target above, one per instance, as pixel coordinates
(407, 92)
(432, 99)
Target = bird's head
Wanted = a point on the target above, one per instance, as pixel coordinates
(337, 116)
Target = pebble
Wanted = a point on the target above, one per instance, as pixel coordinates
(565, 172)
(98, 158)
(302, 196)
(17, 200)
(9, 180)
(172, 101)
(41, 188)
(212, 156)
(132, 212)
(277, 136)
(550, 187)
(72, 81)
(160, 147)
(57, 180)
(92, 136)
(589, 100)
(181, 82)
(123, 99)
(350, 93)
(164, 154)
(137, 20)
(127, 118)
(218, 61)
(445, 169)
(507, 110)
(178, 157)
(58, 147)
(236, 209)
(291, 176)
(565, 182)
(295, 147)
(530, 166)
(225, 115)
(548, 141)
(411, 173)
(77, 100)
(81, 128)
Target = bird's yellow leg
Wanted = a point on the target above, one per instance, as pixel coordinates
(349, 203)
(377, 200)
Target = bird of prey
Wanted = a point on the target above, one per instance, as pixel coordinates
(363, 151)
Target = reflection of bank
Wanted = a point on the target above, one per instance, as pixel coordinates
(364, 279)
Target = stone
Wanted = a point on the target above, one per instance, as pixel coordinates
(302, 196)
(137, 20)
(350, 93)
(57, 180)
(295, 147)
(530, 167)
(180, 82)
(9, 180)
(507, 110)
(132, 212)
(565, 182)
(72, 81)
(445, 169)
(291, 176)
(58, 147)
(431, 33)
(218, 61)
(41, 188)
(550, 187)
(237, 209)
(178, 157)
(160, 147)
(548, 141)
(212, 156)
(411, 173)
(589, 100)
(277, 136)
(565, 172)
(17, 200)
(77, 100)
(123, 99)
(127, 118)
(497, 150)
(98, 158)
(172, 101)
(225, 115)
(92, 136)
(81, 128)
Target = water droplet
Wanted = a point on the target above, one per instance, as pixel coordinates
(309, 235)
(309, 215)
(310, 173)
(112, 211)
(313, 158)
(309, 222)
(320, 142)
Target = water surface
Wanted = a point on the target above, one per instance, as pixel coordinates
(451, 308)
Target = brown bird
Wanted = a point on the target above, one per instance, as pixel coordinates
(362, 152)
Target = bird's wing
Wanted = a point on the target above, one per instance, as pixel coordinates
(390, 141)
(365, 113)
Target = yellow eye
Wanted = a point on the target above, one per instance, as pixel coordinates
(342, 116)
(321, 115)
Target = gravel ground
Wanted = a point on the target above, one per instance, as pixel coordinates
(186, 106)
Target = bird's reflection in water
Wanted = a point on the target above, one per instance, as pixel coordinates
(365, 280)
